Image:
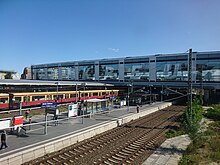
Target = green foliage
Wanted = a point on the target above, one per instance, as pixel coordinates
(215, 156)
(171, 133)
(213, 113)
(214, 143)
(192, 118)
(174, 132)
(8, 76)
(189, 159)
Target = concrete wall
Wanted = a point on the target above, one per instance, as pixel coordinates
(33, 153)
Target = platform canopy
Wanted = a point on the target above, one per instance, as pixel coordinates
(50, 83)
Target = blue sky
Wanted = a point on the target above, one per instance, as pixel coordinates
(46, 31)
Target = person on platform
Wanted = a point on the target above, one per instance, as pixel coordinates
(26, 114)
(3, 140)
(138, 108)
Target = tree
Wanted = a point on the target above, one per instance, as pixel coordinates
(192, 119)
(8, 76)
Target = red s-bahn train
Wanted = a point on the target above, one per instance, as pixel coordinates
(12, 100)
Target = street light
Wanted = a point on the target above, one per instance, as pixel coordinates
(76, 92)
(57, 83)
(129, 85)
(20, 105)
(161, 92)
(84, 85)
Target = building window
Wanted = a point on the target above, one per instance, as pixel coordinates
(136, 71)
(87, 72)
(108, 72)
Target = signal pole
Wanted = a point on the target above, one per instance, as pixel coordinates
(190, 82)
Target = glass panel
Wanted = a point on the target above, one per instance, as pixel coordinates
(68, 73)
(172, 71)
(208, 70)
(3, 100)
(36, 98)
(137, 71)
(26, 98)
(108, 72)
(52, 73)
(87, 72)
(40, 74)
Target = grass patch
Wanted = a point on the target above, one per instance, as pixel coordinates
(173, 132)
(206, 148)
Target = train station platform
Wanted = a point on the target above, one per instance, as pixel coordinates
(68, 131)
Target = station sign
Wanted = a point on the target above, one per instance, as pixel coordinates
(48, 104)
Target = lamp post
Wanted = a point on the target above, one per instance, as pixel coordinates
(19, 104)
(161, 92)
(76, 92)
(129, 85)
(83, 84)
(105, 91)
(57, 83)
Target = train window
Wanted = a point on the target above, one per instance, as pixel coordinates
(58, 96)
(66, 96)
(95, 94)
(49, 97)
(17, 98)
(26, 98)
(36, 98)
(72, 95)
(3, 100)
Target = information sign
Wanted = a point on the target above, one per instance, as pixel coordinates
(48, 104)
(72, 110)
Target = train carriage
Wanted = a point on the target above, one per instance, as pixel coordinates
(12, 101)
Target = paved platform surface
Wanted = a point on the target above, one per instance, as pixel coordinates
(170, 152)
(66, 127)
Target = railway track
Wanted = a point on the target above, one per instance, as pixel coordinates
(130, 143)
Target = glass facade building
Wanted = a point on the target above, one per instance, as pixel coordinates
(153, 68)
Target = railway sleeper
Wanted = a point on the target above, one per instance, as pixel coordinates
(119, 155)
(123, 153)
(107, 162)
(112, 160)
(62, 157)
(49, 162)
(134, 145)
(66, 154)
(55, 159)
(129, 149)
(81, 148)
(117, 158)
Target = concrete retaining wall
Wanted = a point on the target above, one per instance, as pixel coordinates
(33, 153)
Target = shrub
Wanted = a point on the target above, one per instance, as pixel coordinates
(214, 143)
(215, 156)
(213, 113)
(189, 159)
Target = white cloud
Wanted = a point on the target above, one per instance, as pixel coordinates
(114, 49)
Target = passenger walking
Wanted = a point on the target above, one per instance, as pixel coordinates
(26, 114)
(3, 140)
(56, 119)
